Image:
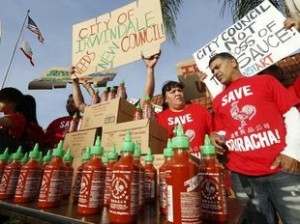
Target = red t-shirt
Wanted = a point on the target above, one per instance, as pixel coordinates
(196, 121)
(296, 86)
(250, 110)
(56, 131)
(19, 125)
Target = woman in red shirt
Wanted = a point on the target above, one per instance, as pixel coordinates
(12, 124)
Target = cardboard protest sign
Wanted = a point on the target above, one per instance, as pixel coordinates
(188, 74)
(118, 37)
(58, 77)
(257, 41)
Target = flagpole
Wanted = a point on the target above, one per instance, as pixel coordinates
(13, 54)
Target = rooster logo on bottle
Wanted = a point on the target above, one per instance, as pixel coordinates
(247, 112)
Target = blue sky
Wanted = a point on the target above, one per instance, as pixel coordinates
(198, 23)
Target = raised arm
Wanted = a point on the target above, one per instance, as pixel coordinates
(150, 63)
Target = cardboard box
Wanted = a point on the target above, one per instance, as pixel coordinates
(78, 141)
(109, 112)
(148, 133)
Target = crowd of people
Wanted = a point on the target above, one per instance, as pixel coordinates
(260, 129)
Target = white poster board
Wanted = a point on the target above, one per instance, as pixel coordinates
(257, 41)
(118, 37)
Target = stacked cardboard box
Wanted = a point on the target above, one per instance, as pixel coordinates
(110, 120)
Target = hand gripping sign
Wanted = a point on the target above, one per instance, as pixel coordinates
(257, 41)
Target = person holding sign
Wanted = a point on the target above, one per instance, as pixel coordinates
(293, 7)
(262, 137)
(150, 62)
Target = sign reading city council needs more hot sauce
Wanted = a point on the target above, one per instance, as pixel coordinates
(117, 38)
(257, 41)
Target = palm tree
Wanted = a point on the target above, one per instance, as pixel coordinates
(170, 10)
(240, 8)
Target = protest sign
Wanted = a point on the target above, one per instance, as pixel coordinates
(257, 41)
(188, 74)
(58, 77)
(118, 37)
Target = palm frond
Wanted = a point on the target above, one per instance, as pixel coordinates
(170, 10)
(239, 8)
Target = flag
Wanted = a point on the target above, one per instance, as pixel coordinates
(26, 49)
(34, 28)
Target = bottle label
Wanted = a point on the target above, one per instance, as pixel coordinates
(91, 195)
(162, 190)
(124, 196)
(51, 187)
(212, 194)
(28, 183)
(170, 203)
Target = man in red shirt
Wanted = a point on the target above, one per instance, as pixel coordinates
(261, 123)
(57, 129)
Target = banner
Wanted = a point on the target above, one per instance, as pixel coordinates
(257, 41)
(118, 37)
(58, 77)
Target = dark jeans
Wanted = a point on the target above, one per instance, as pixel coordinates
(274, 193)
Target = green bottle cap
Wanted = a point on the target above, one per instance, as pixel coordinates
(35, 152)
(137, 150)
(18, 155)
(123, 82)
(147, 98)
(105, 158)
(180, 141)
(127, 145)
(149, 157)
(4, 155)
(87, 153)
(25, 158)
(97, 149)
(207, 148)
(112, 154)
(58, 151)
(138, 106)
(47, 157)
(68, 156)
(168, 151)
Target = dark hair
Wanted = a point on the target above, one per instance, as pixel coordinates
(223, 55)
(168, 85)
(12, 95)
(71, 107)
(30, 108)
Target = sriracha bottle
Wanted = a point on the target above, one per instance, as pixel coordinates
(11, 175)
(142, 174)
(50, 194)
(147, 108)
(183, 190)
(138, 113)
(168, 154)
(77, 182)
(121, 91)
(151, 178)
(91, 193)
(3, 162)
(67, 160)
(112, 157)
(104, 95)
(123, 206)
(29, 178)
(111, 94)
(212, 186)
(95, 97)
